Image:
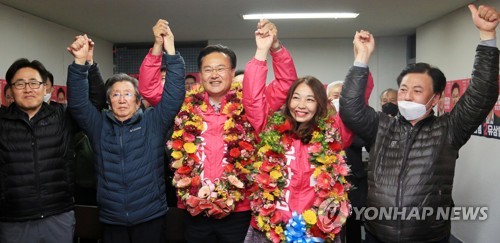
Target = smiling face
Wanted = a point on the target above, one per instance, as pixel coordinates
(303, 104)
(216, 75)
(123, 100)
(28, 99)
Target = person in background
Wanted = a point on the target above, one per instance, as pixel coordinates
(238, 76)
(190, 82)
(389, 102)
(333, 93)
(413, 155)
(9, 97)
(129, 144)
(455, 94)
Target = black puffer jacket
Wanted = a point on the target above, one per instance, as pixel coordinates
(413, 166)
(36, 156)
(36, 179)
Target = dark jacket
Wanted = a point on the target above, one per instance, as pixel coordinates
(413, 166)
(130, 179)
(36, 158)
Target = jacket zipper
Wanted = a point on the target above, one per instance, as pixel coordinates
(399, 197)
(123, 173)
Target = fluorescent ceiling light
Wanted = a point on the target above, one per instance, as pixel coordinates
(302, 16)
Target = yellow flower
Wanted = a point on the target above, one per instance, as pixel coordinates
(267, 227)
(276, 174)
(260, 221)
(177, 154)
(264, 149)
(309, 217)
(321, 159)
(203, 106)
(257, 165)
(316, 136)
(231, 137)
(237, 195)
(278, 229)
(268, 196)
(229, 124)
(276, 193)
(177, 134)
(317, 171)
(190, 148)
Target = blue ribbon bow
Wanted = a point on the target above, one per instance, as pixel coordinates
(296, 230)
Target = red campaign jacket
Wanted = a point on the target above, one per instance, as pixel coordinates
(299, 195)
(212, 148)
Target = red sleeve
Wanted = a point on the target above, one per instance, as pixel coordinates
(254, 102)
(150, 86)
(284, 74)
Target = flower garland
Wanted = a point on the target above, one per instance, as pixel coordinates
(331, 208)
(215, 198)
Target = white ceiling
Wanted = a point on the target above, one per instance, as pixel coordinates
(124, 21)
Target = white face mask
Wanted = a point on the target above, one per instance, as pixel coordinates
(411, 110)
(336, 104)
(46, 97)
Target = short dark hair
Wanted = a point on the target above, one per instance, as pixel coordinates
(121, 77)
(50, 77)
(190, 76)
(25, 63)
(304, 130)
(239, 72)
(438, 78)
(217, 48)
(455, 86)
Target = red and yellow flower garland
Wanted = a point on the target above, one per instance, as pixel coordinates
(270, 173)
(215, 198)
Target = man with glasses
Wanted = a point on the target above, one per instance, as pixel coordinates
(36, 184)
(128, 143)
(217, 103)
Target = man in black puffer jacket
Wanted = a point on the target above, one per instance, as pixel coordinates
(36, 156)
(412, 155)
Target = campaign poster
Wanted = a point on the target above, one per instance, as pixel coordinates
(3, 83)
(452, 93)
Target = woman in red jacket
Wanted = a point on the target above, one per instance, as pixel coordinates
(299, 190)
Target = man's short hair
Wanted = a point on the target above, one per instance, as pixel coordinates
(50, 78)
(121, 77)
(25, 63)
(438, 78)
(239, 72)
(190, 76)
(387, 91)
(217, 48)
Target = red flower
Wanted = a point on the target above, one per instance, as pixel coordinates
(325, 224)
(235, 152)
(245, 162)
(284, 127)
(276, 218)
(254, 188)
(194, 157)
(177, 144)
(267, 166)
(316, 232)
(184, 169)
(263, 179)
(245, 145)
(267, 209)
(338, 188)
(314, 148)
(188, 137)
(195, 181)
(335, 146)
(274, 236)
(324, 180)
(228, 168)
(287, 139)
(232, 107)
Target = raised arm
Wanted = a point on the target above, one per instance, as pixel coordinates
(354, 110)
(482, 93)
(97, 91)
(84, 113)
(174, 89)
(150, 85)
(258, 99)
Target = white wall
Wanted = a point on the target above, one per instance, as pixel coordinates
(329, 59)
(449, 43)
(24, 35)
